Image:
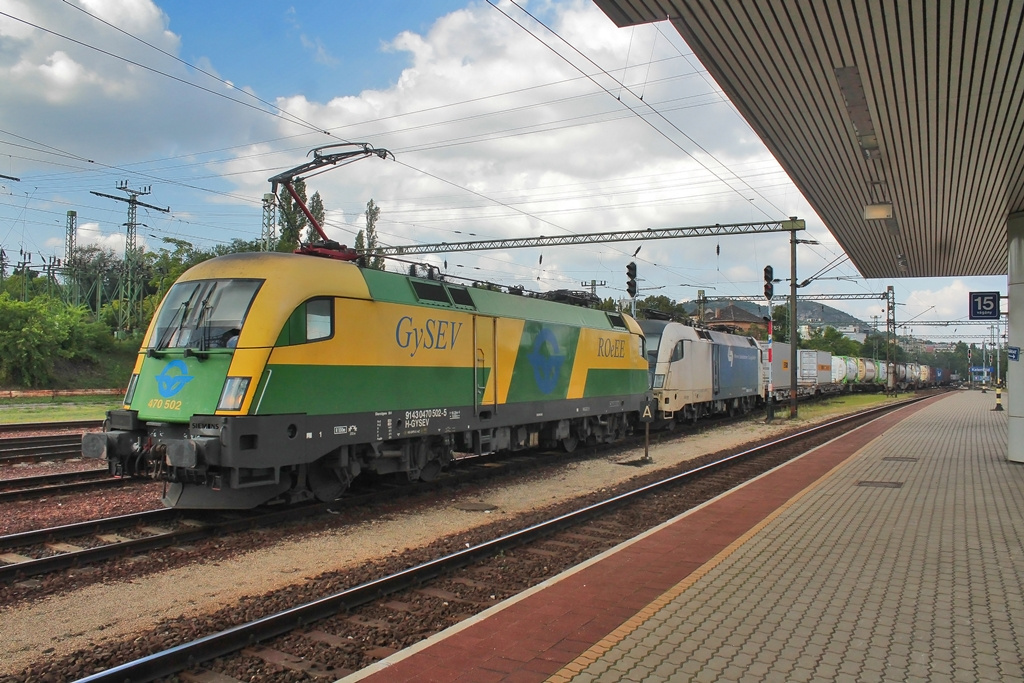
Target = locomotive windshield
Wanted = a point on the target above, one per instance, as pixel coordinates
(653, 342)
(204, 314)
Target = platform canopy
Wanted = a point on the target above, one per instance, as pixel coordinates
(901, 121)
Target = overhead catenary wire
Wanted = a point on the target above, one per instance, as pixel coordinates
(628, 89)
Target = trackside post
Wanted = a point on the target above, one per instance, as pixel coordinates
(647, 417)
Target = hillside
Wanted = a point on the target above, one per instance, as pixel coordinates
(808, 313)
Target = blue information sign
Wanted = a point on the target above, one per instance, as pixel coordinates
(1013, 352)
(984, 306)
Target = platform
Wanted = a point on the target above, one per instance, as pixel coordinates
(893, 553)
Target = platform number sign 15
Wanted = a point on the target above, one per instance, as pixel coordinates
(984, 306)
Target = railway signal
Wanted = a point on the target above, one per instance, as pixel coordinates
(631, 279)
(769, 286)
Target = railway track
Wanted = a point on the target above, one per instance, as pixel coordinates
(45, 551)
(21, 449)
(54, 549)
(37, 441)
(13, 428)
(346, 630)
(22, 488)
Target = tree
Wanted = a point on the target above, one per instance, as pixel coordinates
(316, 207)
(366, 242)
(956, 360)
(24, 284)
(662, 303)
(832, 340)
(238, 246)
(780, 324)
(35, 334)
(874, 347)
(291, 219)
(93, 276)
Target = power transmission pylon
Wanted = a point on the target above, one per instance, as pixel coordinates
(23, 264)
(129, 289)
(72, 288)
(268, 238)
(51, 265)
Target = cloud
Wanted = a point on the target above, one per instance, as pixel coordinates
(90, 234)
(83, 88)
(319, 52)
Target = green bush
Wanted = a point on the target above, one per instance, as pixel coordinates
(34, 335)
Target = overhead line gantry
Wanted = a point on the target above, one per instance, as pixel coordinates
(800, 297)
(791, 225)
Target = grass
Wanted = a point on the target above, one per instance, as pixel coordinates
(112, 370)
(16, 410)
(842, 403)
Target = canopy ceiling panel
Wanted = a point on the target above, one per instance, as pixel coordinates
(899, 121)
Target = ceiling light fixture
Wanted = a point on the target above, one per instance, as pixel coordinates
(877, 212)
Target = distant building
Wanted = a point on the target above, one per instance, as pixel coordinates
(854, 333)
(733, 319)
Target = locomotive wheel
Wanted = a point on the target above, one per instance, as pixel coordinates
(327, 483)
(430, 471)
(434, 456)
(569, 444)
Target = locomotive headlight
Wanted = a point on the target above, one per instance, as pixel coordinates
(233, 395)
(659, 381)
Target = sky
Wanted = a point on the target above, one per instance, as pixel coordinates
(504, 120)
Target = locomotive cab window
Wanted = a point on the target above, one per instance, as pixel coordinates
(677, 352)
(312, 321)
(204, 314)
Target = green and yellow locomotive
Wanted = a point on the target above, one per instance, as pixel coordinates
(281, 377)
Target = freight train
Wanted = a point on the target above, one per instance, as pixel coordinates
(280, 378)
(696, 372)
